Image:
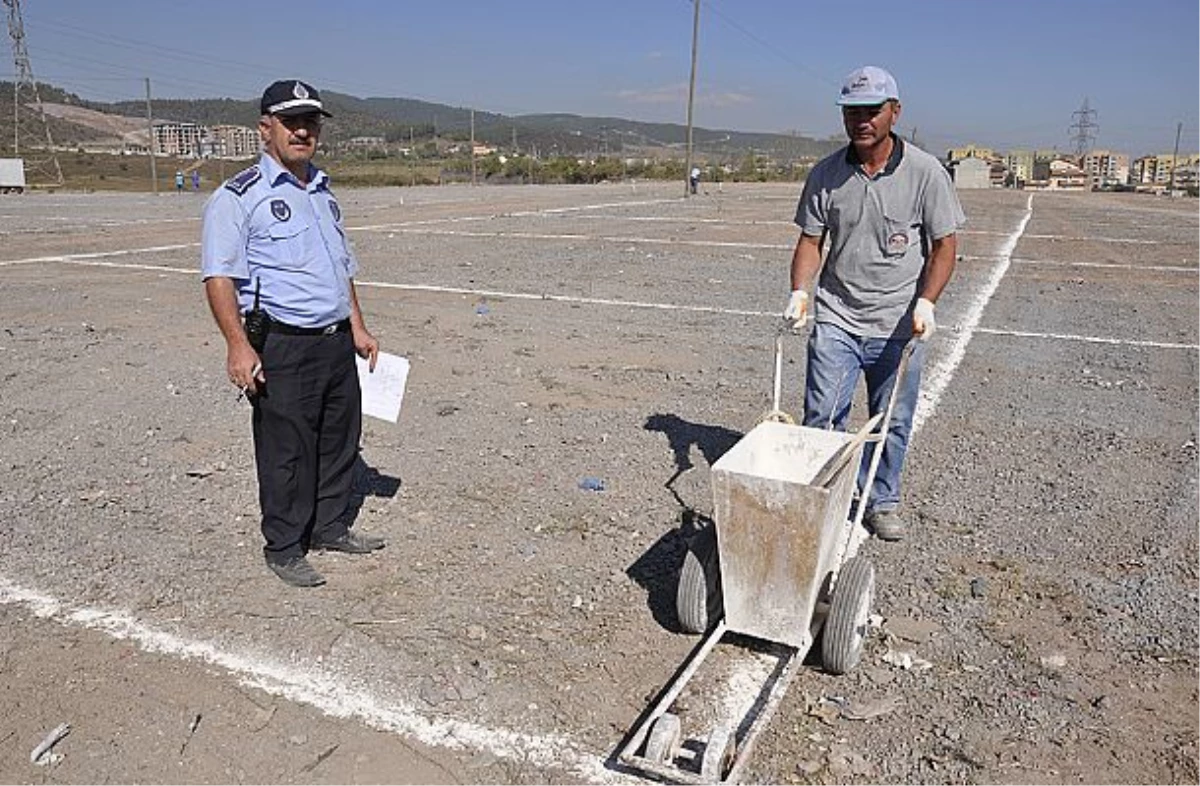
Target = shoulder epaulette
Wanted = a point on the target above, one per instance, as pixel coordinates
(242, 181)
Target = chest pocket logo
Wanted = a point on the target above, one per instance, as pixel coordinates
(897, 242)
(280, 210)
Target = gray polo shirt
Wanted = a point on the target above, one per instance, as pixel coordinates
(880, 229)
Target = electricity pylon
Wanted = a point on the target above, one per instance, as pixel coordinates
(30, 129)
(1083, 129)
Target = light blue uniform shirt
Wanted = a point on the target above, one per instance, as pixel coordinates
(263, 227)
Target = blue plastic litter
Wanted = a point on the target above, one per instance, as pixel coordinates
(591, 484)
(482, 309)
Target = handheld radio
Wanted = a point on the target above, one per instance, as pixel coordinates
(257, 322)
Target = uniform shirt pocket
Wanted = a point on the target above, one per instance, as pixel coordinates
(291, 239)
(899, 231)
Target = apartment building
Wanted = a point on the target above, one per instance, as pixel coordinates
(970, 151)
(1106, 168)
(177, 139)
(1155, 171)
(233, 142)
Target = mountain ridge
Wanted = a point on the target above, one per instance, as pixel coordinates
(401, 119)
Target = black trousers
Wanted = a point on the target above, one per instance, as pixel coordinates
(307, 423)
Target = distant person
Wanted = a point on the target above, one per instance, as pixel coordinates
(891, 213)
(298, 369)
(694, 178)
(195, 179)
(178, 182)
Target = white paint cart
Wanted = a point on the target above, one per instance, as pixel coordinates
(788, 569)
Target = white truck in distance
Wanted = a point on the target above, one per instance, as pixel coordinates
(12, 175)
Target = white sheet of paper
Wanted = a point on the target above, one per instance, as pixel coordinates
(383, 388)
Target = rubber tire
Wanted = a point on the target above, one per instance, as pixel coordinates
(691, 596)
(662, 743)
(719, 753)
(846, 626)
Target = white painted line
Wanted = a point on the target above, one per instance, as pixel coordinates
(1133, 241)
(1102, 265)
(938, 377)
(590, 238)
(314, 685)
(1122, 342)
(397, 226)
(595, 301)
(1103, 240)
(89, 258)
(90, 261)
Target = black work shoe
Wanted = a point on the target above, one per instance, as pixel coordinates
(297, 572)
(886, 524)
(351, 543)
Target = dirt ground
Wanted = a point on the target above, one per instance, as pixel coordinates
(1038, 626)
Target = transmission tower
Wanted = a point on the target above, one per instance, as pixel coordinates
(31, 132)
(1083, 130)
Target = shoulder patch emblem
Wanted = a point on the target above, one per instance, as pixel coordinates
(280, 209)
(337, 211)
(241, 182)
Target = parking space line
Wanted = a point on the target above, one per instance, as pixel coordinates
(1124, 342)
(595, 238)
(399, 225)
(1110, 265)
(938, 377)
(320, 689)
(91, 257)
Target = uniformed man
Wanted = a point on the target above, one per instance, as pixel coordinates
(273, 240)
(891, 215)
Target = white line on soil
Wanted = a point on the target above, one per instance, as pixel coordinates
(326, 692)
(938, 377)
(397, 226)
(590, 238)
(1124, 342)
(1109, 265)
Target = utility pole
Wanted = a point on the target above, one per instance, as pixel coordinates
(150, 129)
(1084, 128)
(1174, 158)
(32, 121)
(687, 165)
(473, 148)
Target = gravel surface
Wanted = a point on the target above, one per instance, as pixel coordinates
(517, 625)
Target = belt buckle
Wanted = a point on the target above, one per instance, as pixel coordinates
(330, 329)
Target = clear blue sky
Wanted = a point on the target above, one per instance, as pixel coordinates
(1002, 73)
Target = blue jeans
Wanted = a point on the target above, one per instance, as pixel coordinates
(835, 361)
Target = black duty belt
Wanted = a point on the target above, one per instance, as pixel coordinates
(292, 330)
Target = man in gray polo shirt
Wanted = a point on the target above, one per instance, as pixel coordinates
(890, 213)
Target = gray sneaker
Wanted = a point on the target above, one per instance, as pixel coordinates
(886, 524)
(297, 572)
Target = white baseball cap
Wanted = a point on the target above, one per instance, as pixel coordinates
(867, 86)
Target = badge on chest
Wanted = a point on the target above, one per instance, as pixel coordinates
(280, 210)
(897, 242)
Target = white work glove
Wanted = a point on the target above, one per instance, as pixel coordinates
(923, 321)
(797, 309)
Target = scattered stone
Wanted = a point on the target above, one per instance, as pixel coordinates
(978, 587)
(1055, 661)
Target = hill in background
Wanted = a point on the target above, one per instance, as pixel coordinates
(399, 120)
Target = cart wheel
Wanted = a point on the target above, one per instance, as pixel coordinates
(662, 743)
(691, 598)
(846, 627)
(718, 754)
